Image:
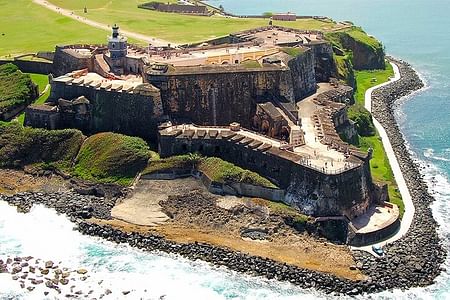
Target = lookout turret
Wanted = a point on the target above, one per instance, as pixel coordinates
(117, 44)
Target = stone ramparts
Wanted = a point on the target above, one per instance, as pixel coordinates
(347, 191)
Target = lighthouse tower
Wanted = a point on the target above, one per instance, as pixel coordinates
(117, 44)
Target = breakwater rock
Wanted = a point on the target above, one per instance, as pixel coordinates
(416, 259)
(52, 279)
(74, 205)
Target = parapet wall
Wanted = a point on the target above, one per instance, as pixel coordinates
(64, 62)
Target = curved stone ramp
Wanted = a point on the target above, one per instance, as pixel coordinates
(406, 196)
(142, 37)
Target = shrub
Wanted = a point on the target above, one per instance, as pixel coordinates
(226, 172)
(363, 119)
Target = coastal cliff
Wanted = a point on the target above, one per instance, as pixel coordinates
(367, 53)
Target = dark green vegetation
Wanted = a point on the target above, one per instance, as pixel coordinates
(111, 158)
(213, 167)
(344, 68)
(16, 89)
(363, 120)
(104, 157)
(42, 82)
(22, 146)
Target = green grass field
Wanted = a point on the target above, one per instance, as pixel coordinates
(169, 26)
(369, 78)
(380, 167)
(27, 27)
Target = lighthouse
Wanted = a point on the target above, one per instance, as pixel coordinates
(117, 44)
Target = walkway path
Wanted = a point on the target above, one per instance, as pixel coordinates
(319, 154)
(151, 40)
(409, 206)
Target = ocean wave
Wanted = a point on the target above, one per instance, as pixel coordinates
(44, 234)
(430, 153)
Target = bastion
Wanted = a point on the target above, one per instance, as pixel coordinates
(274, 85)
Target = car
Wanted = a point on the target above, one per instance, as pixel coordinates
(378, 250)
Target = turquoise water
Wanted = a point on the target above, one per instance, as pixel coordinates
(415, 30)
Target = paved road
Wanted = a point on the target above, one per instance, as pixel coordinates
(409, 206)
(148, 39)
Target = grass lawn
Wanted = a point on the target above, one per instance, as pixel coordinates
(380, 167)
(367, 79)
(169, 26)
(27, 27)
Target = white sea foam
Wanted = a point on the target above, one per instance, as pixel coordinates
(44, 234)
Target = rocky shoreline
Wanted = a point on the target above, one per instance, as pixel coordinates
(415, 260)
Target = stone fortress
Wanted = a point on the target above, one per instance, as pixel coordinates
(264, 99)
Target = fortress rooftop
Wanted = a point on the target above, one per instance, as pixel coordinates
(94, 80)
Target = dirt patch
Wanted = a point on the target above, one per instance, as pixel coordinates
(16, 181)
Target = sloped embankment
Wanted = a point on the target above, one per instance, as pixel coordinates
(111, 158)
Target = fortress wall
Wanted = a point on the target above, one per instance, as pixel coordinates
(319, 194)
(323, 60)
(302, 76)
(215, 98)
(311, 191)
(133, 114)
(224, 97)
(29, 66)
(64, 63)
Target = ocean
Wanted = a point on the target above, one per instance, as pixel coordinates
(415, 30)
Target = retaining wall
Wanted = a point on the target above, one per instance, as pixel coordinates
(29, 66)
